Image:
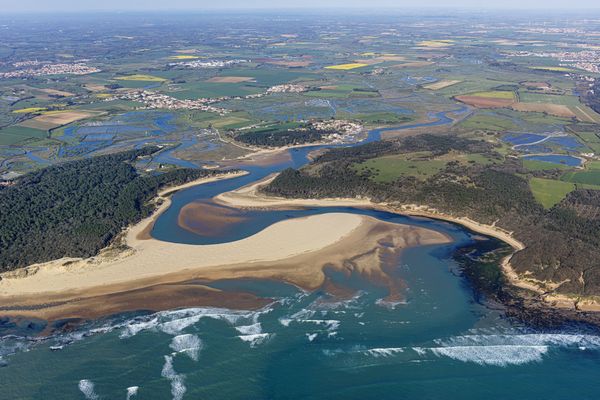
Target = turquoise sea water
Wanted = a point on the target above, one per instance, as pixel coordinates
(439, 344)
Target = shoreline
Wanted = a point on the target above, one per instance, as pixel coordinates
(149, 270)
(164, 197)
(250, 197)
(151, 274)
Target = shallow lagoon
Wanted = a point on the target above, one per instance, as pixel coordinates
(556, 159)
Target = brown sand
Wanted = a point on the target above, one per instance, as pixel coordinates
(157, 275)
(208, 219)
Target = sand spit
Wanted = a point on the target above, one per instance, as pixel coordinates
(297, 251)
(154, 275)
(250, 197)
(151, 258)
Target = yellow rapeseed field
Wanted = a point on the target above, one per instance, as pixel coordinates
(29, 110)
(347, 67)
(141, 77)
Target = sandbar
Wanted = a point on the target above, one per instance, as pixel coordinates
(153, 274)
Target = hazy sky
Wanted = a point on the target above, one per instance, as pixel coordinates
(148, 5)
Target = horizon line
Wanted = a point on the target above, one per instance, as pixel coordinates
(346, 10)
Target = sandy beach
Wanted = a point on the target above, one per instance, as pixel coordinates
(250, 197)
(295, 251)
(151, 258)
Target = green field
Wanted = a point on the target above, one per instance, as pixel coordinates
(488, 122)
(141, 77)
(231, 122)
(197, 90)
(471, 84)
(552, 69)
(343, 91)
(269, 127)
(381, 118)
(390, 168)
(542, 119)
(591, 177)
(494, 94)
(566, 100)
(270, 76)
(536, 165)
(16, 134)
(203, 119)
(420, 165)
(549, 192)
(589, 137)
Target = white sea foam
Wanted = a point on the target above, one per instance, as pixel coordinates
(342, 305)
(531, 339)
(302, 314)
(330, 325)
(332, 352)
(253, 329)
(501, 356)
(285, 321)
(134, 328)
(385, 351)
(175, 321)
(87, 388)
(12, 345)
(132, 391)
(255, 339)
(311, 336)
(187, 344)
(419, 350)
(391, 305)
(178, 388)
(508, 349)
(171, 322)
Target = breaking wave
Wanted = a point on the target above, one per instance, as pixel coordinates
(527, 339)
(178, 388)
(187, 344)
(173, 322)
(249, 329)
(498, 355)
(132, 391)
(87, 388)
(253, 334)
(385, 351)
(489, 349)
(255, 339)
(509, 349)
